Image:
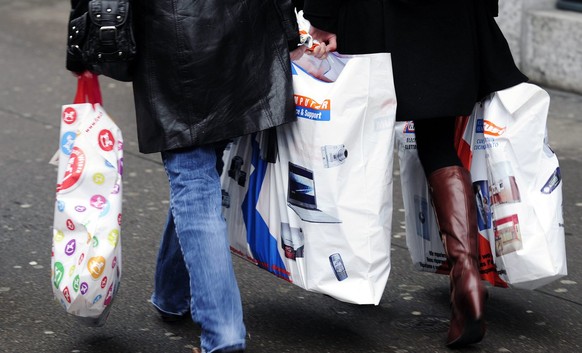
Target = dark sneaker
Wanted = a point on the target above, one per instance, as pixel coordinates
(172, 318)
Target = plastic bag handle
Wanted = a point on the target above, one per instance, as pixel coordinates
(88, 90)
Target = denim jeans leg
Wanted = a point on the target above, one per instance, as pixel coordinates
(196, 207)
(171, 282)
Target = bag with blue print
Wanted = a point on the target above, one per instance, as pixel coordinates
(518, 191)
(86, 243)
(518, 184)
(320, 215)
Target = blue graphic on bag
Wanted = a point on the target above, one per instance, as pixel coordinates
(262, 243)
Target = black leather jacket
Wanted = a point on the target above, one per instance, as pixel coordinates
(209, 70)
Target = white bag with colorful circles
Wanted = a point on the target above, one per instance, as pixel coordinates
(86, 245)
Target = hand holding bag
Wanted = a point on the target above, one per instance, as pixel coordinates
(86, 243)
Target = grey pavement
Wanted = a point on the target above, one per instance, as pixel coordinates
(280, 316)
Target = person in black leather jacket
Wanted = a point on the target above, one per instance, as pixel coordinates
(447, 55)
(206, 71)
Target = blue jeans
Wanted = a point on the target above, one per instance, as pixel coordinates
(194, 268)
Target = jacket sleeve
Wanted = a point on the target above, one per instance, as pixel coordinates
(74, 61)
(286, 11)
(322, 14)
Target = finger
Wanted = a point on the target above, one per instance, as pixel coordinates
(332, 44)
(320, 51)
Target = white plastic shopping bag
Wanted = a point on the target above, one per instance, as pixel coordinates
(518, 190)
(86, 244)
(520, 186)
(320, 216)
(422, 233)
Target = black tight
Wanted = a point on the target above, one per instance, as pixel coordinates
(435, 141)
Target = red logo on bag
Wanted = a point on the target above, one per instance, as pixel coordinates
(491, 129)
(70, 224)
(69, 115)
(106, 140)
(77, 161)
(104, 282)
(109, 295)
(67, 294)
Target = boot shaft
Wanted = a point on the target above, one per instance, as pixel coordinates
(456, 212)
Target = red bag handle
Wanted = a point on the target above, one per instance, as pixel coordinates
(88, 90)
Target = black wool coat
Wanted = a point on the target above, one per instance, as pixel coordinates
(208, 70)
(447, 54)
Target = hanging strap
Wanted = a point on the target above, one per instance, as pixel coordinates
(88, 90)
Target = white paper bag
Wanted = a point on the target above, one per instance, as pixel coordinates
(86, 245)
(320, 217)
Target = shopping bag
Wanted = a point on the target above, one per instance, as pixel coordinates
(320, 216)
(518, 184)
(86, 243)
(518, 190)
(422, 232)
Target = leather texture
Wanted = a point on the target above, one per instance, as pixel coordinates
(454, 203)
(102, 41)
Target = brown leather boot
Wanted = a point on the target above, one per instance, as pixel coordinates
(454, 203)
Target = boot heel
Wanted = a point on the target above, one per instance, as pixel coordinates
(473, 332)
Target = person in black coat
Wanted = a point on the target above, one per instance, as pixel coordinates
(447, 55)
(206, 71)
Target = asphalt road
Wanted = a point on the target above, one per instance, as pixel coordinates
(280, 317)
